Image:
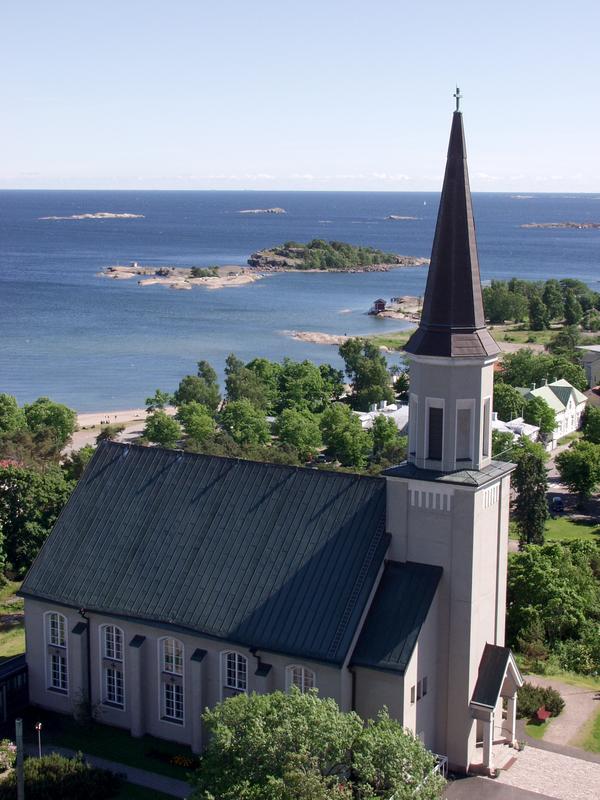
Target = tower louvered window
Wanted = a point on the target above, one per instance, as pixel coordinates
(436, 433)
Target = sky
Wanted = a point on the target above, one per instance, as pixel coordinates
(328, 95)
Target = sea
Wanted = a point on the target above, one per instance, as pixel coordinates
(101, 345)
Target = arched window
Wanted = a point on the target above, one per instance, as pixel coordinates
(57, 671)
(234, 667)
(171, 693)
(113, 679)
(301, 677)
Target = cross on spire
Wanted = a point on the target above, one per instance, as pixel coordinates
(458, 97)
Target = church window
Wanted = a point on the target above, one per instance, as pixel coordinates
(419, 690)
(412, 694)
(56, 652)
(464, 430)
(424, 685)
(485, 449)
(435, 433)
(113, 682)
(172, 690)
(301, 677)
(235, 672)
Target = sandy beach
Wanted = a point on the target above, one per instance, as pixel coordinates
(90, 424)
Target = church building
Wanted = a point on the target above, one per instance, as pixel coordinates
(173, 580)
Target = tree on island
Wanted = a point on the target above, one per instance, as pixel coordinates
(367, 369)
(294, 746)
(162, 429)
(244, 423)
(300, 430)
(579, 469)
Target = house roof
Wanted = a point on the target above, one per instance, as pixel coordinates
(398, 611)
(556, 394)
(280, 558)
(492, 671)
(452, 321)
(463, 477)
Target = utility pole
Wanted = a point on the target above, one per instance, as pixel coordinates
(20, 774)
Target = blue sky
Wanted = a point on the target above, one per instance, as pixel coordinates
(191, 94)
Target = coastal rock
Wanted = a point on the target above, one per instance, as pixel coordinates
(576, 225)
(99, 215)
(398, 217)
(271, 261)
(263, 211)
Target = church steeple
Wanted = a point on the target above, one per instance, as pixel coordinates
(453, 322)
(452, 353)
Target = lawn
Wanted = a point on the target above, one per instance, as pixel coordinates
(12, 631)
(516, 334)
(107, 742)
(590, 738)
(393, 341)
(536, 730)
(566, 528)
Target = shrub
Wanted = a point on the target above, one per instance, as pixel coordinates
(8, 754)
(55, 777)
(531, 697)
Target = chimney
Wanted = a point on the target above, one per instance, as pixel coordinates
(494, 416)
(532, 386)
(382, 404)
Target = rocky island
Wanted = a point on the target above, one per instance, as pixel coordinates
(182, 277)
(576, 225)
(99, 215)
(398, 218)
(263, 211)
(319, 255)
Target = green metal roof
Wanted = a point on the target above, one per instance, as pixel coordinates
(276, 557)
(399, 609)
(463, 477)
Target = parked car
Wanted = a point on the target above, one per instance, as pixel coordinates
(556, 505)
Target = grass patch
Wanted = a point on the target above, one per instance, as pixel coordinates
(513, 531)
(12, 642)
(519, 335)
(12, 630)
(572, 678)
(590, 737)
(570, 437)
(107, 742)
(393, 341)
(567, 529)
(536, 729)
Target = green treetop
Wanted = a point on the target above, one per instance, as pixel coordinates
(536, 411)
(367, 369)
(12, 418)
(508, 402)
(198, 423)
(244, 423)
(46, 415)
(300, 430)
(162, 429)
(579, 468)
(344, 436)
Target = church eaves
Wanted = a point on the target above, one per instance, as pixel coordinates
(452, 322)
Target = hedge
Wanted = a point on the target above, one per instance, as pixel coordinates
(55, 777)
(530, 698)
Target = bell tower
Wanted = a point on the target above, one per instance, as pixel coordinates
(448, 503)
(452, 353)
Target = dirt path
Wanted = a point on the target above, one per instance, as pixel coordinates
(580, 705)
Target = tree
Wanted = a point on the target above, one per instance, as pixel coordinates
(193, 388)
(55, 418)
(301, 386)
(502, 444)
(158, 401)
(386, 437)
(579, 468)
(525, 368)
(109, 433)
(573, 309)
(333, 381)
(30, 502)
(401, 384)
(508, 402)
(300, 430)
(367, 369)
(241, 383)
(75, 464)
(536, 411)
(198, 423)
(531, 483)
(12, 418)
(497, 302)
(244, 423)
(553, 299)
(564, 344)
(591, 424)
(344, 436)
(294, 746)
(538, 314)
(162, 429)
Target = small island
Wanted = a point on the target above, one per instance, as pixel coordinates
(182, 277)
(576, 225)
(319, 255)
(99, 215)
(263, 211)
(399, 218)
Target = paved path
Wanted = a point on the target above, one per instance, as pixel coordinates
(485, 789)
(580, 705)
(141, 777)
(553, 775)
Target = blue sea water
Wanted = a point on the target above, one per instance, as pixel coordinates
(98, 344)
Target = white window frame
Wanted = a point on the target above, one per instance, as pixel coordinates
(112, 664)
(307, 678)
(56, 648)
(237, 685)
(171, 675)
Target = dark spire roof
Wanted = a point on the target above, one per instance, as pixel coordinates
(452, 322)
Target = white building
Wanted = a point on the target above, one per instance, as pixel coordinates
(568, 404)
(591, 363)
(393, 411)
